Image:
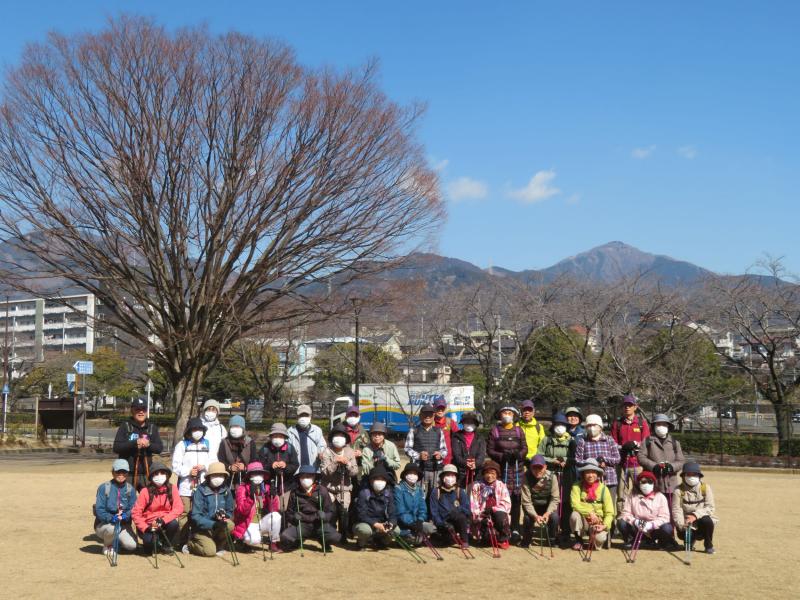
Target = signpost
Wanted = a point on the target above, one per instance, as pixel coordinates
(82, 367)
(6, 392)
(149, 389)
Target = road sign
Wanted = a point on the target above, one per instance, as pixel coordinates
(71, 377)
(84, 367)
(149, 388)
(6, 389)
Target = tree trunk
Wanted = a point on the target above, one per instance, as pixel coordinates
(783, 423)
(183, 396)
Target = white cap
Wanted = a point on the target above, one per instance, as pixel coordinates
(594, 420)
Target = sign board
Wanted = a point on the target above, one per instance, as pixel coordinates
(84, 367)
(149, 388)
(6, 389)
(70, 377)
(254, 410)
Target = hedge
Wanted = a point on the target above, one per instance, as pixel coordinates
(702, 443)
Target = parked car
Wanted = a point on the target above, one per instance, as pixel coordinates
(796, 416)
(727, 412)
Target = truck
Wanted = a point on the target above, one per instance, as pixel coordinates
(397, 405)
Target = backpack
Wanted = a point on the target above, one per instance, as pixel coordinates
(204, 442)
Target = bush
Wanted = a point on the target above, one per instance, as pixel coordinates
(21, 418)
(703, 443)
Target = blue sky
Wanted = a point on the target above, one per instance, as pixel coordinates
(559, 126)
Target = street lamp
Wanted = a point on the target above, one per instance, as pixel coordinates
(357, 309)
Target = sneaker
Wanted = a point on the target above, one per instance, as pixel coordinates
(710, 550)
(627, 546)
(524, 544)
(504, 545)
(108, 550)
(275, 548)
(185, 549)
(328, 549)
(515, 537)
(220, 553)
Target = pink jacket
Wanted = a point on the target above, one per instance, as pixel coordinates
(499, 499)
(246, 508)
(654, 509)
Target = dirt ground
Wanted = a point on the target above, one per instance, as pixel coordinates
(48, 549)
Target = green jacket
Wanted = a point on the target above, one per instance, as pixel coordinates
(390, 453)
(603, 507)
(552, 448)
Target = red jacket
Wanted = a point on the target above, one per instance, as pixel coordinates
(636, 431)
(159, 508)
(448, 426)
(246, 508)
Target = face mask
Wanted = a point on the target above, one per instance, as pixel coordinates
(661, 430)
(210, 415)
(304, 422)
(236, 432)
(646, 488)
(412, 479)
(216, 481)
(469, 428)
(506, 419)
(559, 430)
(449, 480)
(278, 442)
(257, 479)
(338, 442)
(593, 431)
(160, 479)
(306, 482)
(352, 421)
(691, 481)
(197, 436)
(378, 485)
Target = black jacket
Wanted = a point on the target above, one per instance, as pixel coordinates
(268, 454)
(460, 453)
(304, 507)
(230, 451)
(374, 508)
(125, 445)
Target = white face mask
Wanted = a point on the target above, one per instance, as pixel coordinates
(691, 481)
(449, 480)
(306, 482)
(593, 431)
(506, 419)
(197, 436)
(559, 430)
(216, 481)
(257, 479)
(646, 488)
(412, 479)
(338, 441)
(160, 479)
(304, 422)
(210, 415)
(278, 441)
(352, 421)
(469, 428)
(236, 432)
(378, 485)
(661, 430)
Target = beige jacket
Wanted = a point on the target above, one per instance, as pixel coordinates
(697, 501)
(334, 478)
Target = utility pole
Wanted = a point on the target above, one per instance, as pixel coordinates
(357, 310)
(5, 371)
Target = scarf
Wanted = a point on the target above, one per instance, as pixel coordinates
(591, 491)
(469, 436)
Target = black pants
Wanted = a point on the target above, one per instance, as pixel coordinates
(291, 535)
(341, 518)
(704, 530)
(171, 529)
(460, 523)
(516, 509)
(528, 525)
(501, 524)
(662, 535)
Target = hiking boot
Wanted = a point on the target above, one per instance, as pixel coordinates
(503, 545)
(515, 537)
(275, 548)
(108, 550)
(220, 553)
(627, 546)
(710, 550)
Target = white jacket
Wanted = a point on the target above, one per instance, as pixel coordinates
(316, 444)
(189, 454)
(215, 433)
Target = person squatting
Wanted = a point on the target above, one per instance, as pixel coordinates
(571, 485)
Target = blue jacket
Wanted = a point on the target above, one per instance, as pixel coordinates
(409, 504)
(376, 508)
(110, 497)
(442, 503)
(206, 501)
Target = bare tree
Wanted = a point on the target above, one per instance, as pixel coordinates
(200, 185)
(763, 310)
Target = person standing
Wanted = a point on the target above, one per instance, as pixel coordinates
(237, 451)
(306, 438)
(662, 455)
(447, 425)
(136, 441)
(508, 448)
(215, 430)
(469, 449)
(338, 470)
(629, 431)
(574, 419)
(425, 445)
(190, 461)
(534, 432)
(379, 452)
(600, 447)
(279, 459)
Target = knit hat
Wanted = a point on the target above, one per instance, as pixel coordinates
(211, 404)
(559, 419)
(192, 424)
(513, 409)
(159, 466)
(255, 467)
(278, 429)
(574, 409)
(491, 465)
(338, 429)
(216, 468)
(236, 421)
(646, 475)
(691, 467)
(378, 428)
(591, 465)
(594, 420)
(120, 464)
(662, 418)
(470, 416)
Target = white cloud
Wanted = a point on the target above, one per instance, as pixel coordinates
(642, 153)
(687, 152)
(466, 188)
(539, 188)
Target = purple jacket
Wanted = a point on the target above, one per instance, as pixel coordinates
(604, 447)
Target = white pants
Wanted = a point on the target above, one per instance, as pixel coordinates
(269, 524)
(127, 540)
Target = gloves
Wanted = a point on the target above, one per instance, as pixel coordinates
(115, 519)
(639, 523)
(416, 527)
(629, 447)
(600, 460)
(658, 470)
(648, 526)
(668, 469)
(220, 515)
(509, 457)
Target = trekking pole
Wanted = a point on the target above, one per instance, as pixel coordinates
(493, 538)
(171, 548)
(427, 541)
(259, 517)
(115, 545)
(541, 540)
(687, 542)
(592, 539)
(322, 525)
(459, 542)
(234, 558)
(407, 547)
(299, 526)
(549, 541)
(637, 541)
(155, 548)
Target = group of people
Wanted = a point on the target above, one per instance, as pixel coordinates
(571, 484)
